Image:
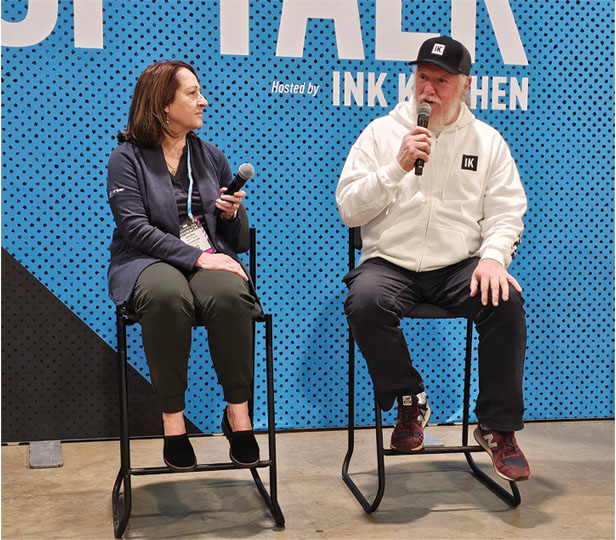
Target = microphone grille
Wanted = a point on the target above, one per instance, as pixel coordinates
(246, 171)
(424, 108)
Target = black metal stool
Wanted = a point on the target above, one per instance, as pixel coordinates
(122, 509)
(422, 311)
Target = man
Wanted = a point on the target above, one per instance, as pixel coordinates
(446, 238)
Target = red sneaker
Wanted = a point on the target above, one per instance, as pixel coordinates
(508, 460)
(408, 435)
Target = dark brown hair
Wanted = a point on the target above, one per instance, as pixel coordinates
(154, 90)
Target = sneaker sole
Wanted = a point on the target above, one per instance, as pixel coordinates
(482, 443)
(423, 425)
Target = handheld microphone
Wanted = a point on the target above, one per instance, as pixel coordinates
(244, 173)
(423, 116)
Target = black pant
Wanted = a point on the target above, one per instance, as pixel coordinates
(381, 293)
(168, 302)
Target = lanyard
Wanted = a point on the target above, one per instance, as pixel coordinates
(190, 183)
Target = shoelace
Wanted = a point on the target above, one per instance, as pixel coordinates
(406, 417)
(509, 444)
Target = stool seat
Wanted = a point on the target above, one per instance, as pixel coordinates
(131, 317)
(431, 311)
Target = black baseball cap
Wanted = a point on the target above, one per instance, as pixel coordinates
(446, 53)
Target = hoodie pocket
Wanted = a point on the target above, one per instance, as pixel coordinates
(444, 246)
(403, 242)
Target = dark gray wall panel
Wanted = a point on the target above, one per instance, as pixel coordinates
(59, 378)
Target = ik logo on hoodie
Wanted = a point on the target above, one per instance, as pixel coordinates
(469, 163)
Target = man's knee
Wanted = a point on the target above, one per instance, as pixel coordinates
(514, 305)
(365, 306)
(509, 315)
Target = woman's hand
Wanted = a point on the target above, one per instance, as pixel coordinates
(228, 204)
(220, 261)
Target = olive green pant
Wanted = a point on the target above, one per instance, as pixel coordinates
(168, 302)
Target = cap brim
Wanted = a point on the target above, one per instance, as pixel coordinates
(442, 65)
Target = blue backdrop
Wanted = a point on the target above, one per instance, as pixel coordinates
(66, 94)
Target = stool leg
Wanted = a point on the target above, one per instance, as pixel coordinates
(380, 455)
(366, 505)
(351, 406)
(467, 380)
(271, 498)
(513, 498)
(121, 513)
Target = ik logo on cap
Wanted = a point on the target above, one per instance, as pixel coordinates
(438, 49)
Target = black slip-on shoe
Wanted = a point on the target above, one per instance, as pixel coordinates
(178, 453)
(244, 449)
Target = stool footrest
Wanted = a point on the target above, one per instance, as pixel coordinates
(141, 471)
(435, 450)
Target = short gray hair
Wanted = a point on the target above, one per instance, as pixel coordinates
(463, 79)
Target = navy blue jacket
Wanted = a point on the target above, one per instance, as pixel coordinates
(146, 216)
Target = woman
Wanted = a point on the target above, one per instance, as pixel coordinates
(173, 258)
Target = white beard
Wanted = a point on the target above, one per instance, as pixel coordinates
(446, 116)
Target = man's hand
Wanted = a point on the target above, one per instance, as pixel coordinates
(220, 261)
(415, 145)
(490, 275)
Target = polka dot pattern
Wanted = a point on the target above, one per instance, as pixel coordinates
(62, 107)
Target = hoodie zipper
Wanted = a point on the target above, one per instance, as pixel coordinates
(433, 192)
(453, 153)
(431, 204)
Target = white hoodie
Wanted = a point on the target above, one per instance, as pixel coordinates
(447, 215)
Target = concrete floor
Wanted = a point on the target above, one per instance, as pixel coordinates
(570, 495)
